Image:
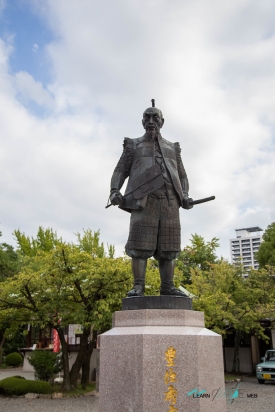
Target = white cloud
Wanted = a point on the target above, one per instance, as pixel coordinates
(210, 67)
(31, 90)
(35, 48)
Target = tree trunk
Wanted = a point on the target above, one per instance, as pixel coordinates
(65, 357)
(86, 366)
(86, 363)
(236, 360)
(80, 358)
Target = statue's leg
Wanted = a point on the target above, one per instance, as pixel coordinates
(166, 269)
(168, 244)
(139, 269)
(142, 243)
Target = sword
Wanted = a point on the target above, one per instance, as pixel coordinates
(197, 202)
(190, 202)
(148, 182)
(132, 191)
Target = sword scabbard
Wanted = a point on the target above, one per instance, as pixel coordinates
(197, 202)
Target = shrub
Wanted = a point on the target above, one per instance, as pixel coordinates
(14, 359)
(16, 386)
(46, 364)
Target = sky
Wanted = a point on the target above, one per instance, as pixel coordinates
(75, 78)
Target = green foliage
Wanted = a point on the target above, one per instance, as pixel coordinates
(111, 251)
(231, 301)
(200, 255)
(14, 359)
(18, 386)
(76, 283)
(46, 240)
(89, 242)
(15, 339)
(266, 253)
(152, 279)
(9, 262)
(46, 364)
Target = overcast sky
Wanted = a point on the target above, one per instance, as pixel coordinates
(75, 78)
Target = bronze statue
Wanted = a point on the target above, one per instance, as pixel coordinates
(157, 188)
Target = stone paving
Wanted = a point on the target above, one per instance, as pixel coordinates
(81, 404)
(252, 397)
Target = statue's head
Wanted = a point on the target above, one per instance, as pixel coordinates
(152, 119)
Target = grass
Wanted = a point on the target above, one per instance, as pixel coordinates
(76, 392)
(230, 377)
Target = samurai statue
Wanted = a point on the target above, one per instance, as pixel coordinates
(156, 189)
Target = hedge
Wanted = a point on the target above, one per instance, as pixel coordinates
(17, 386)
(14, 359)
(46, 364)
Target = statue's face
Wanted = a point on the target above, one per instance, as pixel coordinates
(152, 120)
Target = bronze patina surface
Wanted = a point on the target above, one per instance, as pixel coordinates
(157, 187)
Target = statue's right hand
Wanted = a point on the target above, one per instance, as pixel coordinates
(116, 198)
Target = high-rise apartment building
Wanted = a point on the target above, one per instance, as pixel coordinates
(245, 245)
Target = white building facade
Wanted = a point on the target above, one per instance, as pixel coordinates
(245, 245)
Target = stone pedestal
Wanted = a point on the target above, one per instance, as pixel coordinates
(160, 360)
(156, 302)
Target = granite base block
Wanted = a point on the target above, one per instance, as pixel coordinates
(156, 302)
(151, 360)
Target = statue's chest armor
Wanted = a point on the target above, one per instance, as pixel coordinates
(145, 149)
(143, 159)
(144, 156)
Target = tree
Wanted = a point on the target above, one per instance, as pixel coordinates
(70, 284)
(90, 242)
(46, 240)
(9, 261)
(9, 265)
(266, 253)
(230, 301)
(76, 283)
(199, 255)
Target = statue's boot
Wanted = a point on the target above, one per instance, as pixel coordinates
(139, 269)
(166, 269)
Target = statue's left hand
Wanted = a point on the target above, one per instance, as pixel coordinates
(186, 204)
